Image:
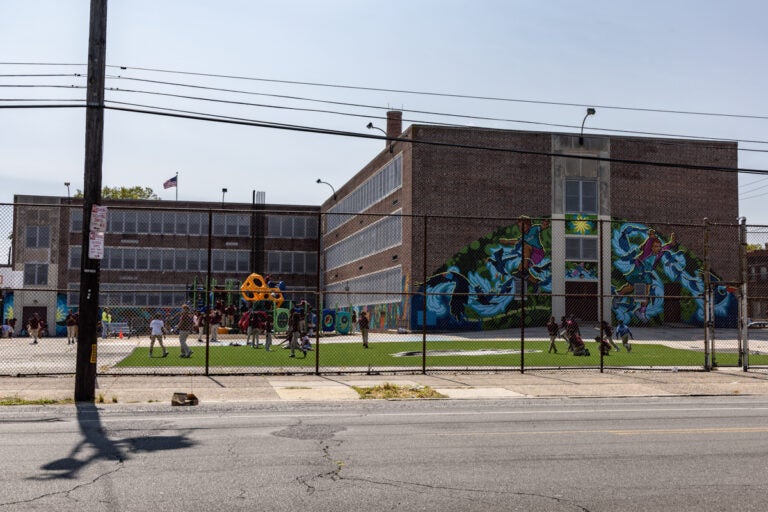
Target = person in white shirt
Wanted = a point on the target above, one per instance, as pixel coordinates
(157, 329)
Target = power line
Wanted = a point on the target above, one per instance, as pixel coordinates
(325, 131)
(405, 91)
(463, 116)
(750, 184)
(82, 64)
(309, 129)
(41, 106)
(747, 192)
(446, 95)
(42, 99)
(36, 75)
(753, 197)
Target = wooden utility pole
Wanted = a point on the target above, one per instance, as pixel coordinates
(85, 370)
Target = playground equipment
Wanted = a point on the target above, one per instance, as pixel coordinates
(255, 288)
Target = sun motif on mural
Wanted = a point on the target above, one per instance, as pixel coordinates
(581, 225)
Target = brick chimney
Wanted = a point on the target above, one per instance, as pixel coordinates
(394, 124)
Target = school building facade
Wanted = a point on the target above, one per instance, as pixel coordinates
(157, 254)
(489, 226)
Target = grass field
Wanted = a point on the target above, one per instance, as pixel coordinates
(383, 354)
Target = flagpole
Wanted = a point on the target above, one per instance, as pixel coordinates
(177, 185)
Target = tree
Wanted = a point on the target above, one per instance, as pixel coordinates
(754, 247)
(124, 193)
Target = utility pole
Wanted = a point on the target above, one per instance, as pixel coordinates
(85, 370)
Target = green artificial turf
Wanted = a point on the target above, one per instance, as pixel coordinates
(381, 354)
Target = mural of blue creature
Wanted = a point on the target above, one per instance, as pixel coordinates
(643, 259)
(480, 287)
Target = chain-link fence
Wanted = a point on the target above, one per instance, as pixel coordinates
(299, 291)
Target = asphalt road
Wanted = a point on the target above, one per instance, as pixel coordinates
(648, 454)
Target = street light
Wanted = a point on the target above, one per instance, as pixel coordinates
(223, 191)
(590, 112)
(371, 127)
(69, 199)
(326, 183)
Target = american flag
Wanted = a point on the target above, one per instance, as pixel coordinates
(171, 182)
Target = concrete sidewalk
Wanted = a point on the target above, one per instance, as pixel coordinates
(512, 385)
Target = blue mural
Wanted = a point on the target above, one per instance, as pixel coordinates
(644, 261)
(481, 286)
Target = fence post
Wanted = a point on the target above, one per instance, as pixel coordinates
(708, 364)
(320, 281)
(424, 309)
(524, 263)
(208, 287)
(601, 295)
(743, 294)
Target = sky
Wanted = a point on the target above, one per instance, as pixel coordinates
(703, 56)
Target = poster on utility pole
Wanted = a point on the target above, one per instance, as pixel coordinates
(98, 226)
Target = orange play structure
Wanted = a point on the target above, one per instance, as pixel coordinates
(255, 288)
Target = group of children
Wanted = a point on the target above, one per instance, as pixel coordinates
(568, 330)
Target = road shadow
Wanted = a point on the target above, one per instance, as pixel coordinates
(96, 446)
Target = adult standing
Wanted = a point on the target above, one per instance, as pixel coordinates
(197, 320)
(76, 329)
(33, 328)
(71, 324)
(552, 329)
(156, 331)
(230, 315)
(106, 319)
(184, 327)
(364, 325)
(255, 324)
(295, 332)
(215, 322)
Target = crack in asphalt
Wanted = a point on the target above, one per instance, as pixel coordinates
(332, 475)
(66, 492)
(309, 481)
(417, 486)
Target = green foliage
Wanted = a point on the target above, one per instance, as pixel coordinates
(754, 247)
(124, 193)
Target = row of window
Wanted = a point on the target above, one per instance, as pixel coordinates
(388, 179)
(290, 226)
(132, 295)
(193, 223)
(291, 262)
(196, 260)
(377, 237)
(383, 287)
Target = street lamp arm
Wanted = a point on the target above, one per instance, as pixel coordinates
(371, 127)
(326, 183)
(590, 112)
